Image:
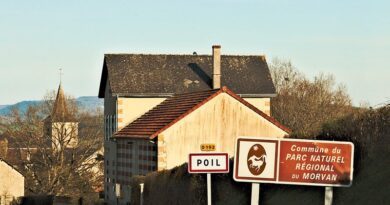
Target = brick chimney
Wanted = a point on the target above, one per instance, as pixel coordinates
(216, 66)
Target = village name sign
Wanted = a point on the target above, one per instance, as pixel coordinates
(293, 161)
(208, 163)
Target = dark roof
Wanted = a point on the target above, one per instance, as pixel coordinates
(165, 75)
(174, 109)
(60, 108)
(60, 111)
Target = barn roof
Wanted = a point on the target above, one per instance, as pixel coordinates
(174, 109)
(165, 75)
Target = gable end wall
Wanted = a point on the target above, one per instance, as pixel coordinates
(219, 122)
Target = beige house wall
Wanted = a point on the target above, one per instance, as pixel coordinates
(130, 109)
(11, 183)
(219, 122)
(263, 104)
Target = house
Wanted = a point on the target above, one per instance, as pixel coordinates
(11, 183)
(158, 108)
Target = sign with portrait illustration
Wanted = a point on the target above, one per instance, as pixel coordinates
(293, 161)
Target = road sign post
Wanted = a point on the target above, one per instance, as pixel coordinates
(255, 194)
(141, 201)
(328, 195)
(208, 163)
(208, 189)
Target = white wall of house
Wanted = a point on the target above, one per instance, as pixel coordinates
(11, 183)
(220, 121)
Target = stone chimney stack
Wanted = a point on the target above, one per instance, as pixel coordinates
(216, 66)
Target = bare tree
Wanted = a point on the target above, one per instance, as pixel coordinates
(303, 104)
(58, 151)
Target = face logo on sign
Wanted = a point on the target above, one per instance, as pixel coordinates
(256, 159)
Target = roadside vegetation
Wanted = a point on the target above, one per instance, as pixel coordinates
(304, 105)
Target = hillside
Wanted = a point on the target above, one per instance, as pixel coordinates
(3, 106)
(87, 103)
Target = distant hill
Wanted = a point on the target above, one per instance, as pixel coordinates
(87, 103)
(3, 106)
(90, 103)
(21, 106)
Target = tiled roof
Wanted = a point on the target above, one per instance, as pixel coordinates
(165, 75)
(175, 108)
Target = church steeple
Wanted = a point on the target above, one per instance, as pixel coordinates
(61, 126)
(60, 110)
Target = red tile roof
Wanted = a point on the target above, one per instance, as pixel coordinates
(174, 109)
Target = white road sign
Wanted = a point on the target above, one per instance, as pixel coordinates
(208, 163)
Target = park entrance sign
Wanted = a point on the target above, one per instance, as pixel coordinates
(293, 161)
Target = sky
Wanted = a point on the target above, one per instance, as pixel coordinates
(349, 39)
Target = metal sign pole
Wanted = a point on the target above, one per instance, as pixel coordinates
(141, 200)
(208, 189)
(328, 195)
(255, 194)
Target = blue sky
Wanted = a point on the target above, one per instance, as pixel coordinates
(349, 39)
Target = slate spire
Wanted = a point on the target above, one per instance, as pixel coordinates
(60, 108)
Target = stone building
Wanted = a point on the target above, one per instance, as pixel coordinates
(159, 108)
